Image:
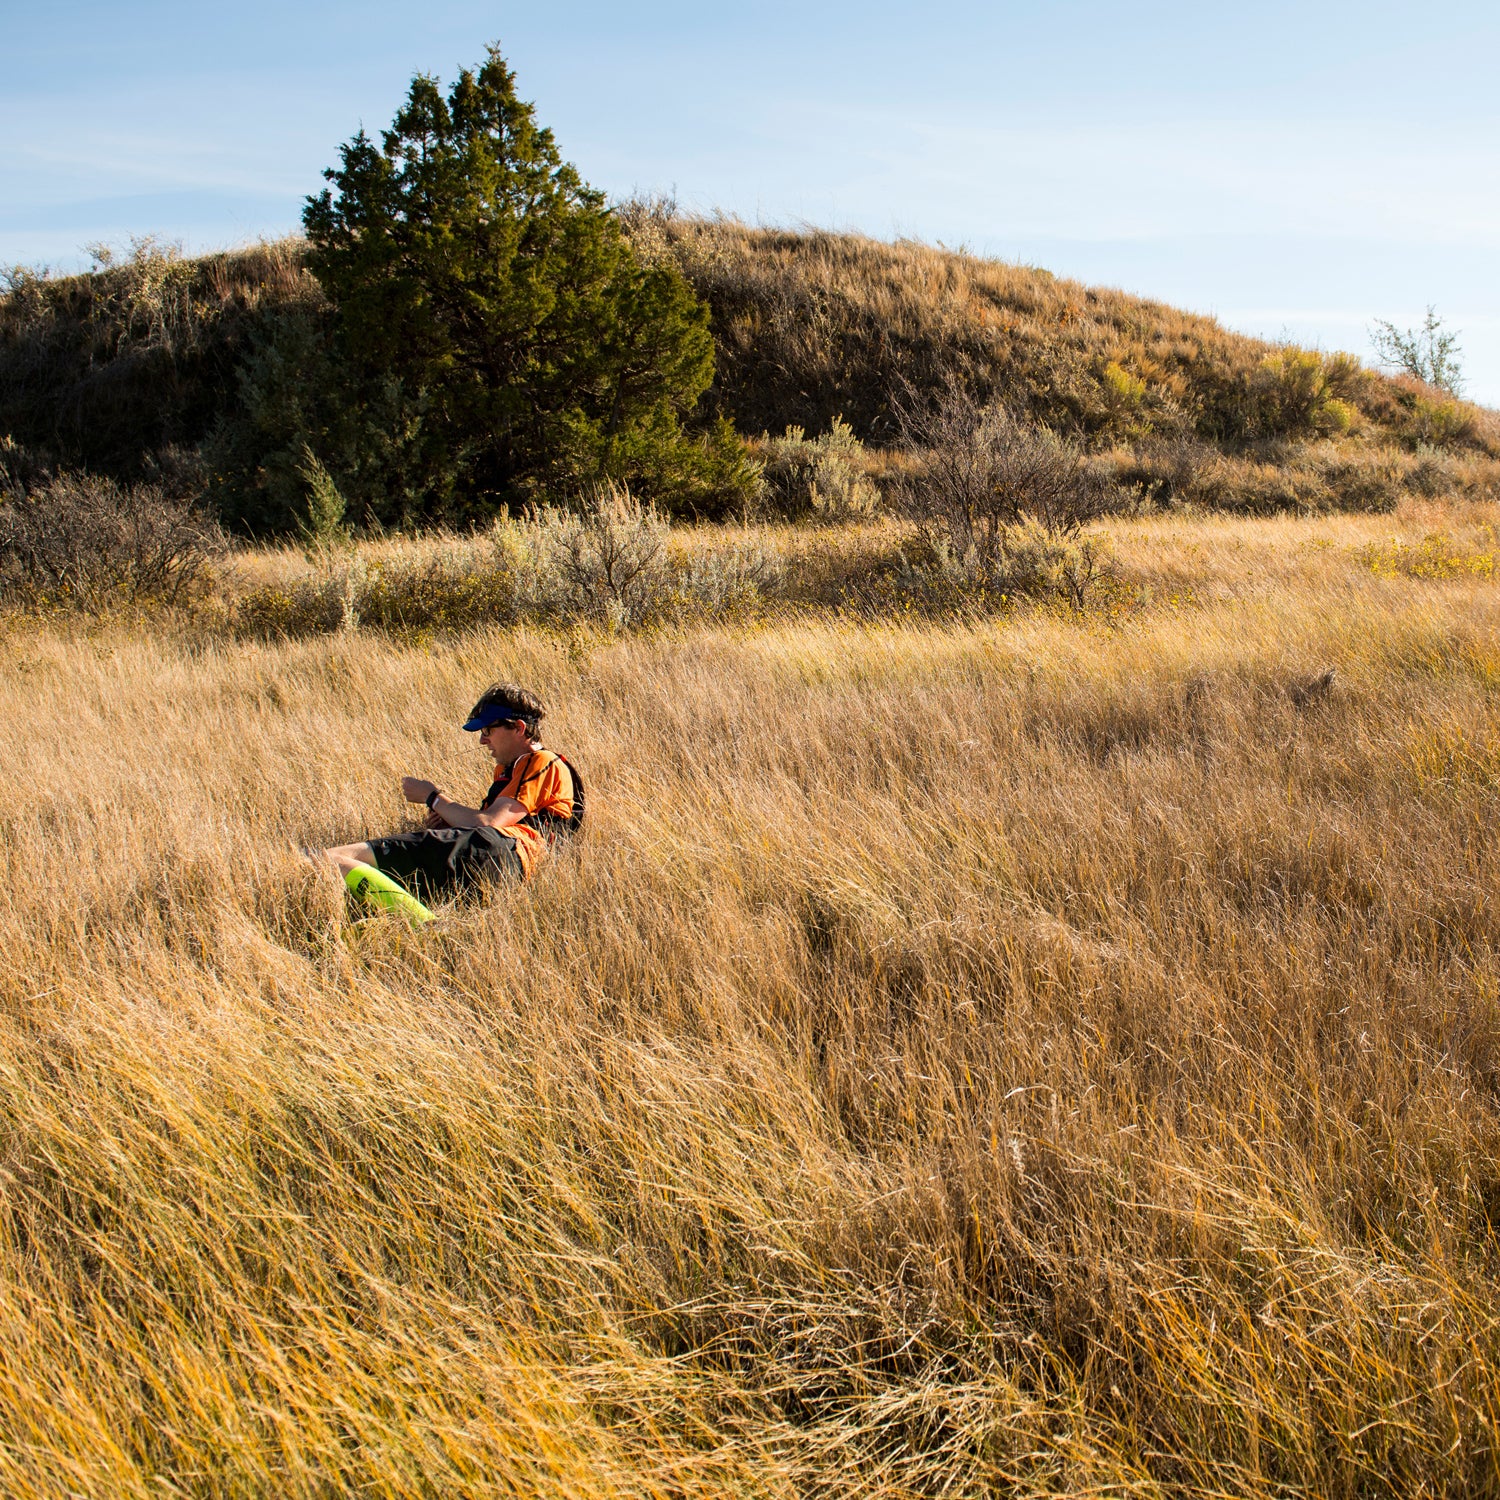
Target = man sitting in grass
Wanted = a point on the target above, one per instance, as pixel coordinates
(532, 799)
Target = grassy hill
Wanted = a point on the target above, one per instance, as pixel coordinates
(129, 369)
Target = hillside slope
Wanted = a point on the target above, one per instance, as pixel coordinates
(810, 325)
(119, 369)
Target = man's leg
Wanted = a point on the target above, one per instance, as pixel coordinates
(345, 856)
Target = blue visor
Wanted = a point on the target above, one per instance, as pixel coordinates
(493, 713)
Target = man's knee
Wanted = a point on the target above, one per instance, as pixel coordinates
(346, 856)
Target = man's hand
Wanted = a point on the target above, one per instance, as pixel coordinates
(414, 789)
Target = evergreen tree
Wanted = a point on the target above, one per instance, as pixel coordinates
(477, 277)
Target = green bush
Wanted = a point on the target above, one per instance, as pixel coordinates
(1443, 423)
(298, 411)
(1301, 392)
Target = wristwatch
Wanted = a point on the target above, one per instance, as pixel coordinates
(432, 797)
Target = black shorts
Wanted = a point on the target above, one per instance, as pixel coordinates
(436, 861)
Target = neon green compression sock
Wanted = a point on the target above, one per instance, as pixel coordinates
(369, 884)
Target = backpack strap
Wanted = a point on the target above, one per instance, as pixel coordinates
(575, 818)
(551, 823)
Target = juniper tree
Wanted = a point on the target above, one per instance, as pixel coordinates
(473, 271)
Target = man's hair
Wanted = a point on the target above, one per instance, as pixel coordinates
(528, 708)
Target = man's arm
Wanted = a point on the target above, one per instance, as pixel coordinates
(503, 812)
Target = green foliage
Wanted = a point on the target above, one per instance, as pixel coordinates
(707, 475)
(1127, 391)
(322, 530)
(1125, 398)
(294, 396)
(1302, 392)
(523, 350)
(1438, 424)
(1428, 353)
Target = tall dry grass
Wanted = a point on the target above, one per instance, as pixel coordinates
(1030, 1057)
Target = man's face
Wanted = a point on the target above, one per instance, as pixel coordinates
(505, 741)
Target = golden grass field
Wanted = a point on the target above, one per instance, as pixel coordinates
(1048, 1056)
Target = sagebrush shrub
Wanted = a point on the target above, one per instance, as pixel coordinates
(727, 581)
(607, 561)
(1029, 562)
(825, 477)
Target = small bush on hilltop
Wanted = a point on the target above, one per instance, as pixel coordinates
(1429, 353)
(87, 542)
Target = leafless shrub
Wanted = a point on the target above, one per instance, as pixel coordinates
(84, 541)
(1002, 500)
(986, 470)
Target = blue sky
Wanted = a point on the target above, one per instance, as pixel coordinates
(1296, 170)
